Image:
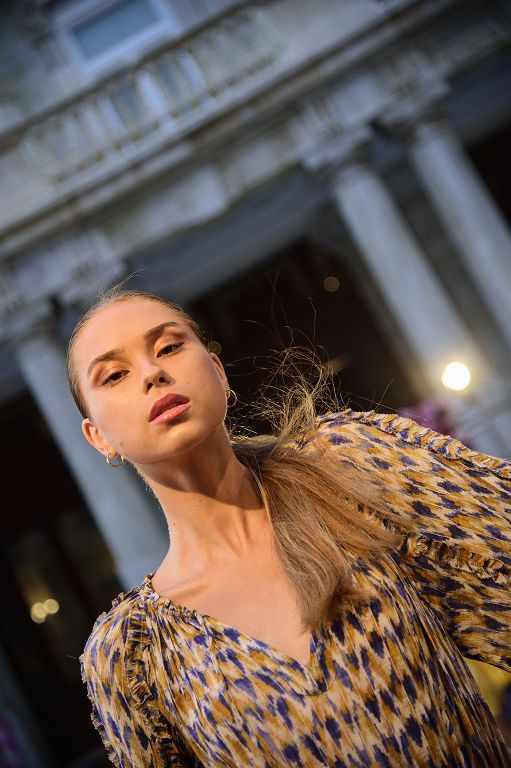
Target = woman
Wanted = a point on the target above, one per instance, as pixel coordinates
(321, 587)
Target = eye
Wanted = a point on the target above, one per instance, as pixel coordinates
(110, 379)
(171, 347)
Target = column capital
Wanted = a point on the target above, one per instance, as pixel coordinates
(28, 323)
(340, 154)
(409, 115)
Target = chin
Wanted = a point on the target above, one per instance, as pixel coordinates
(186, 436)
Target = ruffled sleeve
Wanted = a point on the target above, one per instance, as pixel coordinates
(124, 711)
(459, 556)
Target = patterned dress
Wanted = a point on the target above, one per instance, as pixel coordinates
(387, 684)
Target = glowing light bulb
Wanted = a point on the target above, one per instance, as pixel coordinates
(456, 376)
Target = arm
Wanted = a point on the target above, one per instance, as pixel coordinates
(458, 556)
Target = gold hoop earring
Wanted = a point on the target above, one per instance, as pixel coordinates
(114, 465)
(231, 394)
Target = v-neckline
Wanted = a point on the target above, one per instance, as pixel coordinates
(229, 631)
(315, 639)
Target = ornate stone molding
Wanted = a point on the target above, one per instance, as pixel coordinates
(205, 99)
(73, 268)
(65, 264)
(340, 154)
(414, 88)
(427, 106)
(133, 108)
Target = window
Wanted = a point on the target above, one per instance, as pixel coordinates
(100, 35)
(113, 26)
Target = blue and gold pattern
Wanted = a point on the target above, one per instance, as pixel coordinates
(387, 684)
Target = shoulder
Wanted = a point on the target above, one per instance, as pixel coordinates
(119, 682)
(106, 647)
(457, 497)
(363, 430)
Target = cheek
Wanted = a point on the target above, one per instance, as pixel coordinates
(110, 414)
(206, 385)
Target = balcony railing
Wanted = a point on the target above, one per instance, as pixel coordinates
(161, 94)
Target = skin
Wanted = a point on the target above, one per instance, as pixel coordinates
(208, 497)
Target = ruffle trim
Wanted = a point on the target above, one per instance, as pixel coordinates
(94, 714)
(132, 593)
(96, 719)
(145, 699)
(425, 437)
(462, 559)
(137, 640)
(418, 545)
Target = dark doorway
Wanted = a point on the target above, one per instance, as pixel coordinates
(57, 577)
(305, 296)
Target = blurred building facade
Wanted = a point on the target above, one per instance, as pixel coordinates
(191, 140)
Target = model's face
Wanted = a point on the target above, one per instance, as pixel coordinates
(147, 364)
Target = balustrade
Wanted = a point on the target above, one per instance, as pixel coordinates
(162, 92)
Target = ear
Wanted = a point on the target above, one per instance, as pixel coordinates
(96, 439)
(220, 368)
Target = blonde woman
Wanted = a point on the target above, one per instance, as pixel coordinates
(322, 583)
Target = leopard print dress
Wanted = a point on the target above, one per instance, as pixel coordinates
(387, 684)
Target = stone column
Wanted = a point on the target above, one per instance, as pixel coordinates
(136, 540)
(413, 292)
(463, 203)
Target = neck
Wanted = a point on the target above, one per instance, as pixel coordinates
(212, 506)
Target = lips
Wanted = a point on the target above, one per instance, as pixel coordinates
(166, 402)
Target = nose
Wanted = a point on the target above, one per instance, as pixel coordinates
(155, 377)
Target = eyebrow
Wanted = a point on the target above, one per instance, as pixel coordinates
(148, 336)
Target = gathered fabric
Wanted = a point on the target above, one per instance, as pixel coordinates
(387, 684)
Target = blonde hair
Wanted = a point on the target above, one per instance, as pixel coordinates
(324, 511)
